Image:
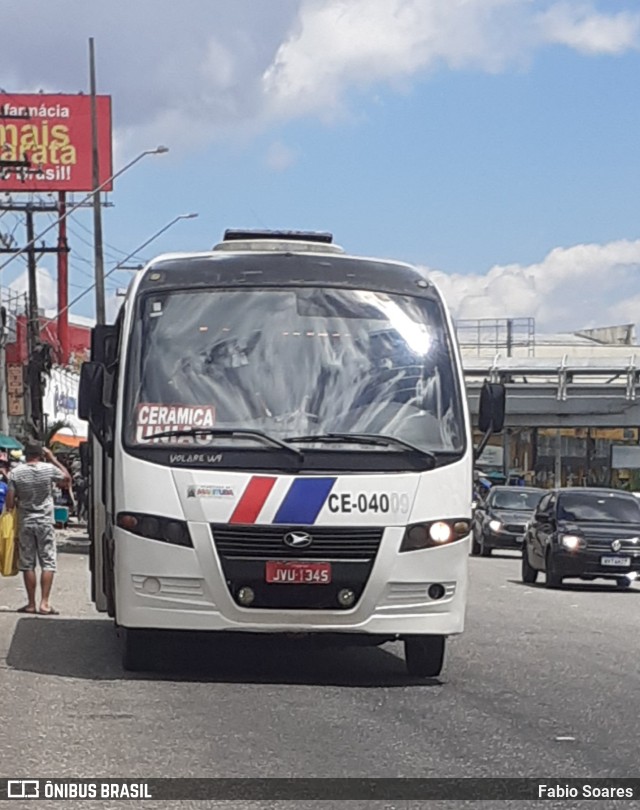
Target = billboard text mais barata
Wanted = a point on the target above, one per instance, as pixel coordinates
(52, 133)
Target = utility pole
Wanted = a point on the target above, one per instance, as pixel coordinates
(101, 316)
(33, 321)
(63, 282)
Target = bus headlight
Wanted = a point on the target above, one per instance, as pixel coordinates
(434, 534)
(440, 532)
(154, 527)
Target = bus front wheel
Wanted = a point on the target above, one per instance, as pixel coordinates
(424, 655)
(135, 652)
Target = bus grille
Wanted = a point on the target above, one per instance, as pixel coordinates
(267, 542)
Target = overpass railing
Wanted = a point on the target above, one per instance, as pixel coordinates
(574, 392)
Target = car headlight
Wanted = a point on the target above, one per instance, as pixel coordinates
(572, 542)
(495, 525)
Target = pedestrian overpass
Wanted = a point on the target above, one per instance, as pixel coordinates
(570, 393)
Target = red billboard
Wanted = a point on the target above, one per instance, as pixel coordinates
(46, 142)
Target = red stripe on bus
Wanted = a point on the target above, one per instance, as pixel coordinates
(252, 500)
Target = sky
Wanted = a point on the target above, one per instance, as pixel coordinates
(493, 142)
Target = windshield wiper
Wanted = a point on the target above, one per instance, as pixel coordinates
(379, 439)
(231, 433)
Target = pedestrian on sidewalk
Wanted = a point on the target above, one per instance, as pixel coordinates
(4, 483)
(80, 487)
(30, 485)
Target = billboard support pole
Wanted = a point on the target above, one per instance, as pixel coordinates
(63, 282)
(97, 212)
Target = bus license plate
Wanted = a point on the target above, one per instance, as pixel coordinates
(298, 573)
(616, 562)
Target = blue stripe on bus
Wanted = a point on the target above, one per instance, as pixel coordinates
(304, 500)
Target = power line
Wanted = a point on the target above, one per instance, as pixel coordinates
(112, 247)
(131, 255)
(75, 255)
(79, 257)
(87, 243)
(36, 238)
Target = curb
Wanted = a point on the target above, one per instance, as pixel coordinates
(70, 545)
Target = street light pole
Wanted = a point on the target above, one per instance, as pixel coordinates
(159, 150)
(130, 256)
(97, 212)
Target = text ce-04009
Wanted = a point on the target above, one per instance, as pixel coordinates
(363, 502)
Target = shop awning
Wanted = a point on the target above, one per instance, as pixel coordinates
(67, 440)
(9, 443)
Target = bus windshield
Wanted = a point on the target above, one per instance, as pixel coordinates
(291, 362)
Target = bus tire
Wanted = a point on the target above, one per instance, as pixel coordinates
(424, 655)
(135, 651)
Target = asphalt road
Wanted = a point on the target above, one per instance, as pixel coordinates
(542, 684)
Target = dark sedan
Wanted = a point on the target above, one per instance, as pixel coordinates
(583, 533)
(501, 520)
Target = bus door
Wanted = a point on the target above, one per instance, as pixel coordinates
(104, 340)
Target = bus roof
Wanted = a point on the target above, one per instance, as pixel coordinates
(271, 267)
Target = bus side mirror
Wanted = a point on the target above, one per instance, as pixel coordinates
(104, 343)
(491, 410)
(90, 407)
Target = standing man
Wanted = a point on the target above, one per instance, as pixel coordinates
(30, 484)
(80, 487)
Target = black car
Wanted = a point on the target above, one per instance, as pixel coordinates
(500, 521)
(586, 534)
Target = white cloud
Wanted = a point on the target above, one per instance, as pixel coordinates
(343, 43)
(571, 288)
(359, 42)
(581, 28)
(190, 72)
(184, 73)
(47, 287)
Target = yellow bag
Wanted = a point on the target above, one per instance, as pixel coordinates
(8, 543)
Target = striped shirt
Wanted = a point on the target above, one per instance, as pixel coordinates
(32, 486)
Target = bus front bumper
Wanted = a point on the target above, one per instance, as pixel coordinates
(159, 586)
